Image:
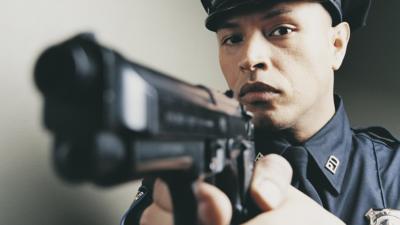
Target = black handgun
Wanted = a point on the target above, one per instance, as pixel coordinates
(114, 121)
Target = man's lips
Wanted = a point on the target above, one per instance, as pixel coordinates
(257, 93)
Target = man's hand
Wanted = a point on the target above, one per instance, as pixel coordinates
(282, 203)
(270, 188)
(214, 207)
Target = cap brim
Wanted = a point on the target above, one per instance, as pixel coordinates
(215, 19)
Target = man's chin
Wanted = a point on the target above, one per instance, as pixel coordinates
(266, 116)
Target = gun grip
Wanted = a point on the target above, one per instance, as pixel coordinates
(183, 199)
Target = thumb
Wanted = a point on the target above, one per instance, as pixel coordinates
(270, 181)
(214, 206)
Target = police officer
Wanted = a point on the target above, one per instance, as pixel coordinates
(279, 57)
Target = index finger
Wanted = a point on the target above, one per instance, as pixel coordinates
(162, 196)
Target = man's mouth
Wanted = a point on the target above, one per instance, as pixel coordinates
(257, 94)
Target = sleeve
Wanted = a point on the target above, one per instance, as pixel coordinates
(142, 200)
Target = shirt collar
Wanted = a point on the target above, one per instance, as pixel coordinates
(333, 140)
(331, 143)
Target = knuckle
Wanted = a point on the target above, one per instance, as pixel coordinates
(160, 189)
(275, 159)
(155, 215)
(146, 215)
(275, 162)
(161, 195)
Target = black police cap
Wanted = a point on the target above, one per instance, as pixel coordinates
(354, 12)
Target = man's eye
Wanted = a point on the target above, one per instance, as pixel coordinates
(280, 31)
(233, 39)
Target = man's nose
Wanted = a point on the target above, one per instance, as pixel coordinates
(255, 54)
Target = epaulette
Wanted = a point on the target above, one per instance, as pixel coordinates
(381, 134)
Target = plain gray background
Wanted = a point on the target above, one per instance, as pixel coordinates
(167, 35)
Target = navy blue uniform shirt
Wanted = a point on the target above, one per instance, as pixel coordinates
(349, 170)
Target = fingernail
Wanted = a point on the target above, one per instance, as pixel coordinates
(271, 193)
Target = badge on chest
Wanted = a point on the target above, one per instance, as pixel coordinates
(383, 216)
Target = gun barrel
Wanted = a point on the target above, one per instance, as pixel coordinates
(113, 119)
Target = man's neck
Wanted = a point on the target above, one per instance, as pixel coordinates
(312, 121)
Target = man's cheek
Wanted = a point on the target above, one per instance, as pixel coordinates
(236, 90)
(229, 78)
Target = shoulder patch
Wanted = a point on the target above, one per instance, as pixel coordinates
(381, 134)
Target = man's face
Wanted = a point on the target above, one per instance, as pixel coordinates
(278, 62)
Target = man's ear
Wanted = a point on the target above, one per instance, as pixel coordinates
(341, 36)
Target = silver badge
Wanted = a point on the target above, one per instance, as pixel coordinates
(383, 216)
(332, 164)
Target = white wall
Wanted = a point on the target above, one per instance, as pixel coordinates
(165, 34)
